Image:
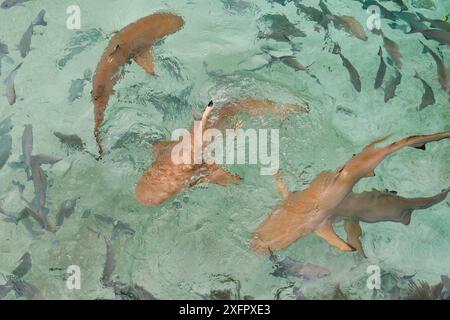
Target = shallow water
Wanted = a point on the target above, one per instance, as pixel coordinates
(192, 243)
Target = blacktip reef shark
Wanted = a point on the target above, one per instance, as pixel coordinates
(132, 42)
(313, 209)
(165, 178)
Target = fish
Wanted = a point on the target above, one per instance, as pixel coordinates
(313, 209)
(435, 23)
(6, 126)
(379, 206)
(442, 72)
(10, 89)
(381, 70)
(393, 50)
(72, 141)
(427, 97)
(77, 86)
(27, 148)
(66, 209)
(39, 177)
(5, 149)
(353, 73)
(25, 41)
(409, 276)
(24, 267)
(443, 37)
(281, 29)
(8, 4)
(110, 264)
(39, 215)
(119, 227)
(27, 290)
(446, 286)
(4, 51)
(411, 19)
(391, 86)
(305, 270)
(313, 14)
(40, 184)
(350, 25)
(400, 3)
(5, 289)
(164, 178)
(132, 42)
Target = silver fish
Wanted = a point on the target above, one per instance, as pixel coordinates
(290, 267)
(24, 267)
(381, 70)
(353, 73)
(7, 4)
(27, 148)
(110, 264)
(443, 77)
(10, 89)
(72, 141)
(6, 126)
(66, 209)
(4, 51)
(29, 291)
(400, 3)
(77, 86)
(5, 289)
(5, 149)
(25, 41)
(393, 50)
(391, 86)
(428, 96)
(435, 23)
(40, 178)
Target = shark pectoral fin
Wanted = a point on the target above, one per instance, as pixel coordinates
(354, 233)
(406, 218)
(326, 231)
(145, 60)
(221, 177)
(281, 186)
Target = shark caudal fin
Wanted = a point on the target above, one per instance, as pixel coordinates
(39, 20)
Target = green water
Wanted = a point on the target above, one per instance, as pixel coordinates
(187, 246)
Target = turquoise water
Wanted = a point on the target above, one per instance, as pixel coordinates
(192, 243)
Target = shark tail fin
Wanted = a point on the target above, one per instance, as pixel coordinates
(336, 49)
(39, 20)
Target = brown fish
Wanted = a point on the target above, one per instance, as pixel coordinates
(132, 42)
(350, 25)
(312, 209)
(442, 73)
(165, 178)
(377, 206)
